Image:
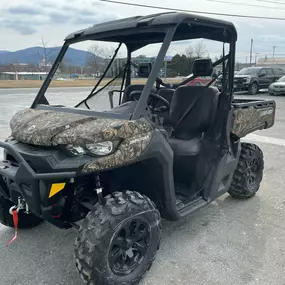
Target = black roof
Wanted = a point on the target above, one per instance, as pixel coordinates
(152, 28)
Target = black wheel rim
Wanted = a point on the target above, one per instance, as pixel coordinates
(129, 246)
(254, 88)
(252, 174)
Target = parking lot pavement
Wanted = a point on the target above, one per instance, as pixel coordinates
(228, 242)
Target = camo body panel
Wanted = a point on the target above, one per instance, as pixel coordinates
(247, 120)
(129, 151)
(51, 128)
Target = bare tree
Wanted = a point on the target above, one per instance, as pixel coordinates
(189, 52)
(172, 50)
(98, 57)
(44, 54)
(94, 57)
(200, 49)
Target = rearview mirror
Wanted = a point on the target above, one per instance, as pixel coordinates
(202, 67)
(144, 69)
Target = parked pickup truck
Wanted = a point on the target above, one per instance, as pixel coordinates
(252, 115)
(252, 79)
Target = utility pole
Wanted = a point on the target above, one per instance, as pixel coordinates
(251, 44)
(274, 51)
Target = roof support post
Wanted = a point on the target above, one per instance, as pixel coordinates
(141, 107)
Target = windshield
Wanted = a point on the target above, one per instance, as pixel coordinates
(91, 71)
(282, 79)
(90, 63)
(81, 69)
(248, 71)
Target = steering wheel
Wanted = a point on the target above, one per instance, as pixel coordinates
(153, 100)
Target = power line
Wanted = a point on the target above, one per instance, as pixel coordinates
(269, 43)
(193, 11)
(263, 44)
(270, 1)
(245, 4)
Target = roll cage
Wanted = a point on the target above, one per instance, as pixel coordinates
(137, 32)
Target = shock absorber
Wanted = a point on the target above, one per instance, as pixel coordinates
(99, 190)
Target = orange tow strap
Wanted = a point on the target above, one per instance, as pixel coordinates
(16, 222)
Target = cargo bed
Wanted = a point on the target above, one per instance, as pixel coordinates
(250, 115)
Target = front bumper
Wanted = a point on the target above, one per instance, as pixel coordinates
(237, 87)
(276, 91)
(241, 87)
(24, 181)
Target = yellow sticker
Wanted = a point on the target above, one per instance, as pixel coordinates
(55, 188)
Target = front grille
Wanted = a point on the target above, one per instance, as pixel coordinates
(238, 81)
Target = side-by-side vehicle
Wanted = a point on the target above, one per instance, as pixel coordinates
(161, 150)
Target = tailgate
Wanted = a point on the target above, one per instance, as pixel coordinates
(252, 115)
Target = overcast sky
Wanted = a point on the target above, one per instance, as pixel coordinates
(23, 23)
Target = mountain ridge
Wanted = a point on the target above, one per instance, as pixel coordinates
(34, 55)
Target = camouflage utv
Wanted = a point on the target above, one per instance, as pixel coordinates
(161, 150)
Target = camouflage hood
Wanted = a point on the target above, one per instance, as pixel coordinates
(47, 128)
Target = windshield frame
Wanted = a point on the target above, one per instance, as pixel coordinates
(141, 108)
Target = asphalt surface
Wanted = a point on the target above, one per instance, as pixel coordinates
(228, 242)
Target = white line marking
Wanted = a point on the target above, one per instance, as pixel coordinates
(265, 139)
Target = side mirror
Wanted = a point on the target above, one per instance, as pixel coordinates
(144, 70)
(202, 67)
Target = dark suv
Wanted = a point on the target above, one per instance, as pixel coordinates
(252, 79)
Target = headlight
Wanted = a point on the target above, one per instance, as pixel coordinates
(75, 150)
(247, 80)
(101, 148)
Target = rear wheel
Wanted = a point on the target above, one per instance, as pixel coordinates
(118, 241)
(253, 88)
(25, 220)
(249, 172)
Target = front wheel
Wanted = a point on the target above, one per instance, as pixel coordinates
(25, 220)
(253, 88)
(249, 172)
(118, 241)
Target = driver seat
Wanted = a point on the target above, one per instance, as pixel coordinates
(192, 111)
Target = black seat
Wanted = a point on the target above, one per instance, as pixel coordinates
(192, 111)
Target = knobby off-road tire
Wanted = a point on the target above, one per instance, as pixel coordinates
(253, 88)
(249, 172)
(25, 220)
(126, 230)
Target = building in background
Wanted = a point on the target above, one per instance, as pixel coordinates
(272, 62)
(14, 75)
